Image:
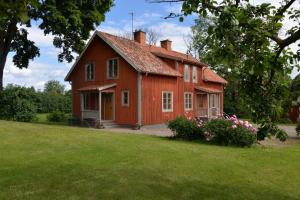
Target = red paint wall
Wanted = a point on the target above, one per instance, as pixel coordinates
(99, 52)
(153, 86)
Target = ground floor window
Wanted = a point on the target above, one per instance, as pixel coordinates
(125, 98)
(167, 101)
(188, 101)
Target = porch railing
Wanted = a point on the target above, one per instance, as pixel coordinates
(88, 114)
(209, 112)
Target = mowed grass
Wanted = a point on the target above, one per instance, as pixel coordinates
(40, 161)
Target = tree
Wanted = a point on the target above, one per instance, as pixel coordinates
(69, 21)
(251, 34)
(151, 36)
(54, 86)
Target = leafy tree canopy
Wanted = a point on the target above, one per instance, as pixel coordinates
(69, 21)
(54, 86)
(248, 40)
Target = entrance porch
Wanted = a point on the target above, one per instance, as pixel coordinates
(208, 102)
(98, 103)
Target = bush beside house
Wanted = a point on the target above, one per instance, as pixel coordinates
(229, 131)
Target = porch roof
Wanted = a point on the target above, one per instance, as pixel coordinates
(97, 87)
(208, 89)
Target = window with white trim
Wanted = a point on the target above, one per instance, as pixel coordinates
(89, 71)
(195, 74)
(86, 101)
(188, 101)
(167, 101)
(125, 98)
(186, 73)
(113, 68)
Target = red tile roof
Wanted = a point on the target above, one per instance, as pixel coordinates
(207, 89)
(146, 58)
(210, 76)
(162, 52)
(143, 60)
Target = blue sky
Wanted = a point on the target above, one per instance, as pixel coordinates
(118, 21)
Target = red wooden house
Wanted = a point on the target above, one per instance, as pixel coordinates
(132, 83)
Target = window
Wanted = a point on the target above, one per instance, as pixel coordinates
(195, 74)
(167, 101)
(176, 65)
(113, 68)
(125, 98)
(214, 101)
(186, 73)
(89, 71)
(188, 101)
(86, 101)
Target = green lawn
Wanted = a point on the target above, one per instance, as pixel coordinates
(40, 161)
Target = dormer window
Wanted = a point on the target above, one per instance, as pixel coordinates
(186, 73)
(89, 71)
(113, 68)
(195, 74)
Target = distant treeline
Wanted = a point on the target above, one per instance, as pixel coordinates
(23, 103)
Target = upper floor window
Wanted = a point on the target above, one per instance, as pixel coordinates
(195, 74)
(125, 98)
(167, 101)
(188, 101)
(89, 71)
(113, 68)
(186, 73)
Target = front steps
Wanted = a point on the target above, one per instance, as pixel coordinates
(94, 123)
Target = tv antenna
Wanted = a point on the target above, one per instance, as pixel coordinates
(131, 25)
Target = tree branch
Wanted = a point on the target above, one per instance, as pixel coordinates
(284, 8)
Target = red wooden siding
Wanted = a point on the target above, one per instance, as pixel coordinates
(99, 52)
(153, 85)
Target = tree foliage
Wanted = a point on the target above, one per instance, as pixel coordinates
(69, 21)
(247, 39)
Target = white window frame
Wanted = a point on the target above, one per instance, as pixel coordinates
(162, 101)
(123, 97)
(108, 67)
(186, 73)
(188, 103)
(86, 101)
(88, 67)
(195, 74)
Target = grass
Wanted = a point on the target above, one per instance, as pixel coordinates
(40, 161)
(41, 118)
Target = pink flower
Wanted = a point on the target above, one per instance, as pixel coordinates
(233, 126)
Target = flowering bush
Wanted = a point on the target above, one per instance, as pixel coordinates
(230, 131)
(245, 124)
(185, 128)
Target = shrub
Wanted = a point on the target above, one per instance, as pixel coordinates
(185, 128)
(298, 129)
(18, 103)
(57, 116)
(226, 132)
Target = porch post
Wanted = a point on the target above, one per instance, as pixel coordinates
(207, 105)
(81, 105)
(99, 107)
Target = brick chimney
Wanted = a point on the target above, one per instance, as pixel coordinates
(140, 37)
(166, 44)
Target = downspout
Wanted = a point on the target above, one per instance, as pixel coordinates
(139, 100)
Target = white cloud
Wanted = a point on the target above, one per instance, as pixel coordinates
(37, 35)
(36, 75)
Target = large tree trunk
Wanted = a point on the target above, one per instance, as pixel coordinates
(1, 79)
(5, 45)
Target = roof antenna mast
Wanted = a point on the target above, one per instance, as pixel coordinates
(131, 25)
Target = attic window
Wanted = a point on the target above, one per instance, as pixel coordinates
(195, 74)
(113, 68)
(186, 73)
(89, 71)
